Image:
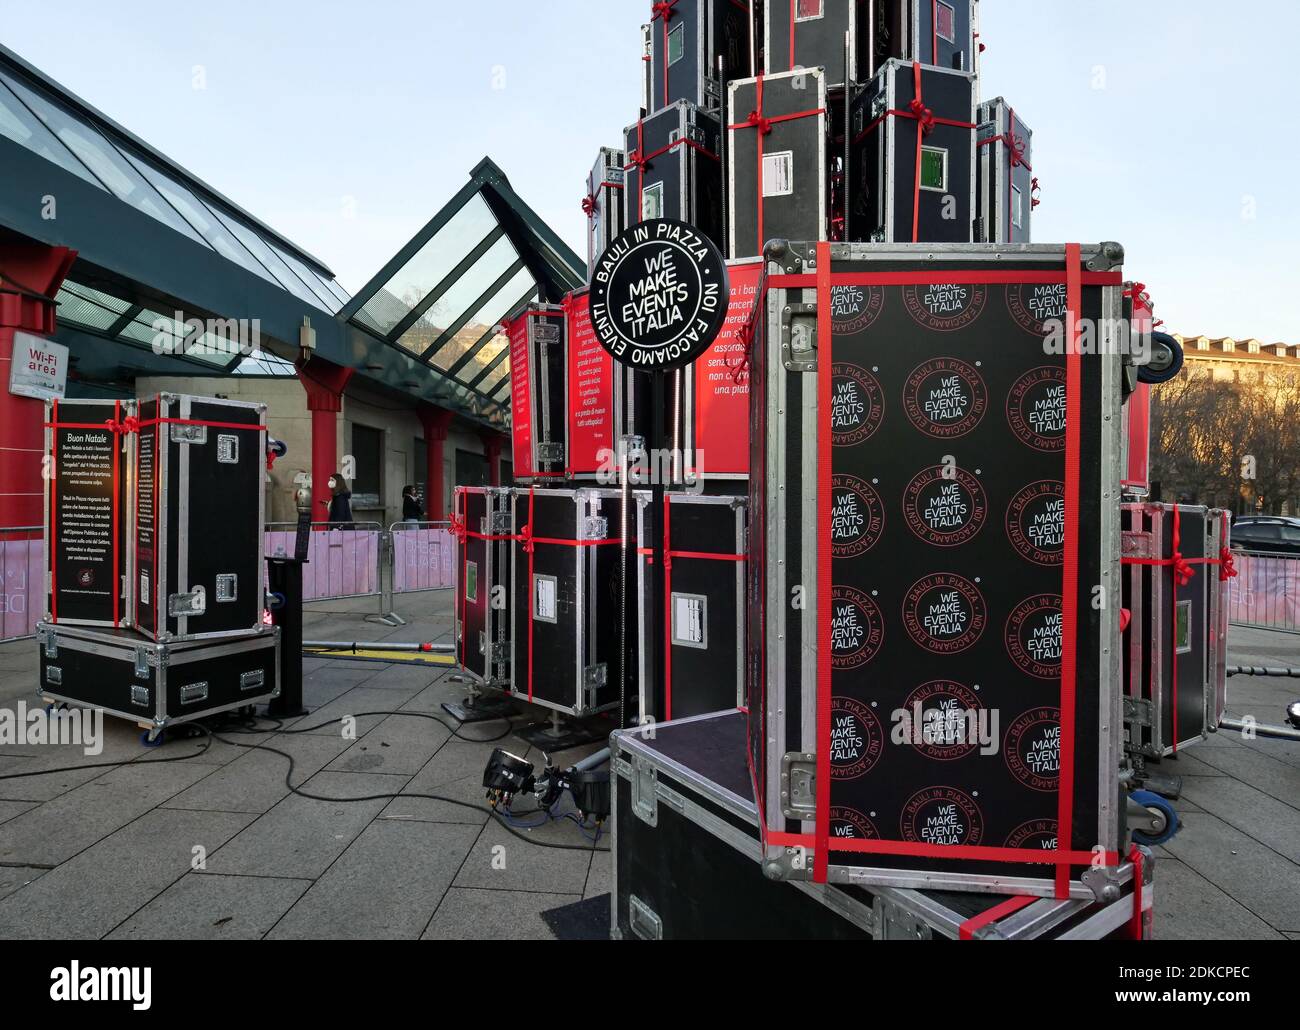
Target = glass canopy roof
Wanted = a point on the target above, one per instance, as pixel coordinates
(439, 302)
(120, 166)
(442, 299)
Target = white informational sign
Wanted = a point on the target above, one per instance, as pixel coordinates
(39, 368)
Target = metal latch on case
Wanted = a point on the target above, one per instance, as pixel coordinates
(500, 522)
(53, 675)
(252, 680)
(550, 452)
(643, 921)
(189, 434)
(799, 785)
(1137, 711)
(593, 527)
(799, 337)
(140, 696)
(193, 603)
(192, 692)
(227, 586)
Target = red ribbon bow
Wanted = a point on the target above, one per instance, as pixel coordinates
(922, 114)
(1183, 569)
(458, 528)
(127, 424)
(757, 121)
(1034, 190)
(1227, 565)
(663, 9)
(590, 205)
(1017, 147)
(526, 536)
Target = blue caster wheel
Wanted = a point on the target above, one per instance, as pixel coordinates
(1166, 360)
(1163, 814)
(157, 741)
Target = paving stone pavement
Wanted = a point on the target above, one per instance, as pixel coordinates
(214, 845)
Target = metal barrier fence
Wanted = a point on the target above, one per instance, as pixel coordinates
(362, 560)
(1265, 593)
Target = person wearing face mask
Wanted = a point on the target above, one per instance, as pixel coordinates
(340, 503)
(411, 510)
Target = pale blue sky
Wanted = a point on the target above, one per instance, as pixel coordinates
(1169, 125)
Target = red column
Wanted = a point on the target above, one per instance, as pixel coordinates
(492, 449)
(30, 275)
(435, 421)
(324, 382)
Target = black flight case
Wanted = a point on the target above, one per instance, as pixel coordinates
(686, 863)
(157, 685)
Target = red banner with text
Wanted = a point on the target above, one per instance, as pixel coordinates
(591, 390)
(521, 408)
(722, 384)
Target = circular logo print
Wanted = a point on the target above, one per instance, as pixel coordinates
(1032, 306)
(659, 295)
(1037, 834)
(944, 512)
(857, 404)
(854, 308)
(1033, 636)
(857, 628)
(945, 398)
(857, 516)
(850, 824)
(944, 307)
(856, 738)
(944, 614)
(85, 577)
(942, 815)
(1036, 408)
(1032, 748)
(942, 715)
(1036, 522)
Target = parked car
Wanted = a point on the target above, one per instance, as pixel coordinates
(1279, 534)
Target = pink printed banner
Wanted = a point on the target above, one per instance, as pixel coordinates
(340, 562)
(22, 564)
(1265, 591)
(423, 559)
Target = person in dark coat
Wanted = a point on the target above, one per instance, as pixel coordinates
(411, 510)
(340, 502)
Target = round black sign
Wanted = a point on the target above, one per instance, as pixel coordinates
(659, 295)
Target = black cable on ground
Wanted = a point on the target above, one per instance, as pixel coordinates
(288, 782)
(243, 727)
(114, 765)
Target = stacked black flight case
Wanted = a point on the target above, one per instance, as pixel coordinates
(154, 530)
(937, 491)
(674, 169)
(570, 645)
(1005, 183)
(538, 372)
(483, 526)
(603, 203)
(1172, 560)
(687, 41)
(911, 175)
(777, 160)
